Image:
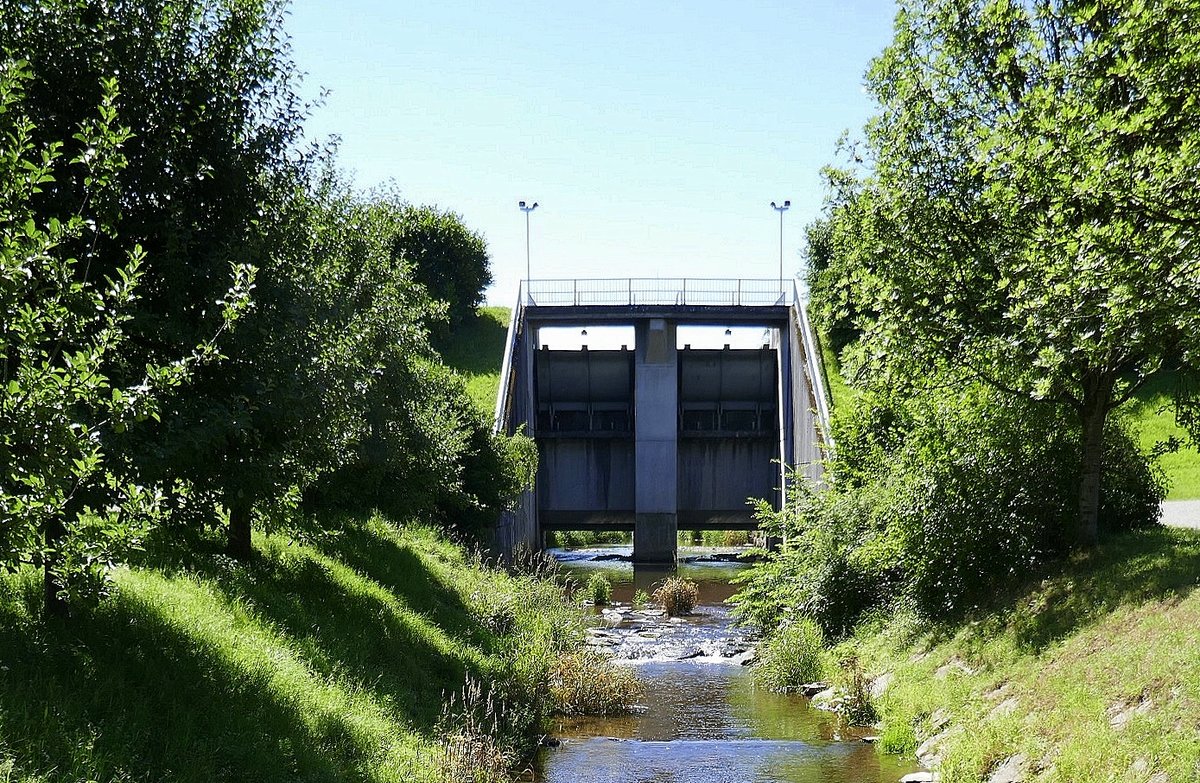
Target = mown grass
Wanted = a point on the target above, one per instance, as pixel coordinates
(1092, 674)
(475, 348)
(1154, 419)
(327, 660)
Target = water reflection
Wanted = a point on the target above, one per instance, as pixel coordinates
(705, 721)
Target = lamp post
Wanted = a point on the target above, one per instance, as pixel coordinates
(527, 210)
(780, 210)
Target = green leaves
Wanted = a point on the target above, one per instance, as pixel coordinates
(1028, 215)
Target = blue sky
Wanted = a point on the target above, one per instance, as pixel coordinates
(653, 135)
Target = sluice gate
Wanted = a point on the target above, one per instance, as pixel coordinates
(686, 399)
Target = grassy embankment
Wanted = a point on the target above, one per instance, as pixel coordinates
(476, 350)
(1155, 422)
(326, 660)
(1092, 674)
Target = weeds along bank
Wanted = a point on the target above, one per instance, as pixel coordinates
(1090, 672)
(340, 657)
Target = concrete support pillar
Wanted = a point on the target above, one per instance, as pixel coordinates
(656, 435)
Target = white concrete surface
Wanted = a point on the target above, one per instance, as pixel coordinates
(1181, 513)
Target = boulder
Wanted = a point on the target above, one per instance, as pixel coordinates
(1011, 770)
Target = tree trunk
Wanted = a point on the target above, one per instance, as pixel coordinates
(1092, 416)
(55, 604)
(238, 544)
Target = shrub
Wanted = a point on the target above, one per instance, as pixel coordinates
(598, 590)
(585, 682)
(853, 704)
(792, 656)
(940, 500)
(677, 596)
(641, 599)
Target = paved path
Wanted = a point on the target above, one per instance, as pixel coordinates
(1181, 513)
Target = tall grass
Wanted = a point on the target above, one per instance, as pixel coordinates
(792, 656)
(326, 660)
(677, 596)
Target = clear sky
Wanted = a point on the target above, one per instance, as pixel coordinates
(654, 135)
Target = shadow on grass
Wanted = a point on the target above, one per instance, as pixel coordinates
(1129, 569)
(408, 649)
(125, 692)
(309, 663)
(476, 346)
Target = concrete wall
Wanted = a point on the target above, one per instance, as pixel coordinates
(656, 406)
(586, 474)
(720, 474)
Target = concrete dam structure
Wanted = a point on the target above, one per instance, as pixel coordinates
(658, 405)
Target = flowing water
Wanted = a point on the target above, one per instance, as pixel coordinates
(702, 720)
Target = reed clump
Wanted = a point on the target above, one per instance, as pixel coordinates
(586, 682)
(677, 596)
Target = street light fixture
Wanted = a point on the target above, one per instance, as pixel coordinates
(527, 210)
(780, 210)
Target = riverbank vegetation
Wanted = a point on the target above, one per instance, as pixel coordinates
(1091, 673)
(328, 656)
(233, 456)
(1006, 279)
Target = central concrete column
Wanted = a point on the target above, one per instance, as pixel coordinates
(656, 435)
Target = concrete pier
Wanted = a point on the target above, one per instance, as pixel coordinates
(656, 441)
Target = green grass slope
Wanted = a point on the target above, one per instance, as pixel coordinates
(1091, 675)
(1154, 420)
(317, 661)
(476, 349)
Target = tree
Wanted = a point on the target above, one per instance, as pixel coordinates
(446, 257)
(63, 507)
(1030, 211)
(215, 174)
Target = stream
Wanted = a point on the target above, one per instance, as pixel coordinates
(703, 721)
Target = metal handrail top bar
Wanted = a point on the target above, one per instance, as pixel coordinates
(634, 291)
(772, 280)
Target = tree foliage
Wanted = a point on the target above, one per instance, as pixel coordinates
(1027, 214)
(126, 379)
(446, 257)
(62, 506)
(939, 501)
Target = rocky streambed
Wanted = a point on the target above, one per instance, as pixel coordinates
(702, 720)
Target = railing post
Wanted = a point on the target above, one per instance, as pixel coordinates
(738, 301)
(575, 292)
(629, 291)
(684, 291)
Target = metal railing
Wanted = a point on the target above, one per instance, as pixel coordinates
(658, 291)
(504, 391)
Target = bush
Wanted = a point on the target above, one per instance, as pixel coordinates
(791, 657)
(940, 500)
(585, 682)
(641, 599)
(677, 596)
(586, 538)
(598, 589)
